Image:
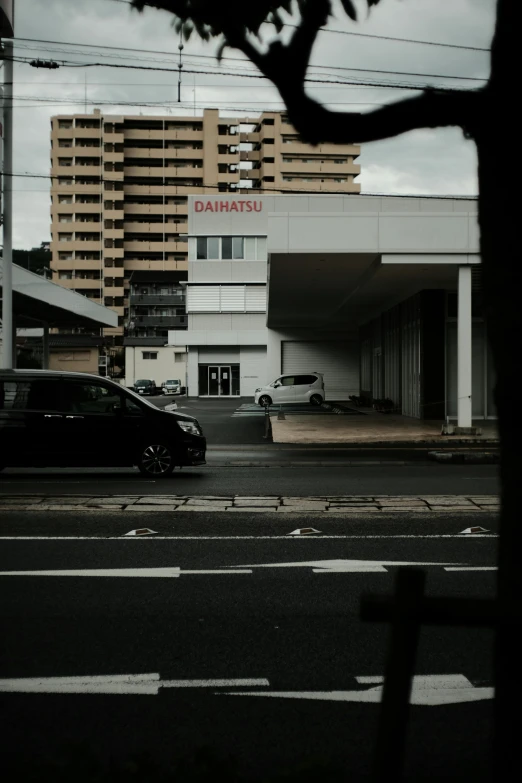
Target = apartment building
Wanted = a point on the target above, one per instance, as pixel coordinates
(120, 186)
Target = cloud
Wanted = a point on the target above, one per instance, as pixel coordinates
(439, 162)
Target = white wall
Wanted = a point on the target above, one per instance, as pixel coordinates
(158, 370)
(252, 368)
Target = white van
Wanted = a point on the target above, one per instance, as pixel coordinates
(292, 388)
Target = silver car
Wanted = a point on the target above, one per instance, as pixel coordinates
(171, 387)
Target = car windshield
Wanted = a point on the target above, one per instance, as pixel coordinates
(171, 382)
(143, 383)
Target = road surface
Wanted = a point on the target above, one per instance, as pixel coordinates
(240, 641)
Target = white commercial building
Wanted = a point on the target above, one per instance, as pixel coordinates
(381, 294)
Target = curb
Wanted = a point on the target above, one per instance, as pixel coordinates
(466, 457)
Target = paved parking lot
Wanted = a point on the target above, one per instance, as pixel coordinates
(239, 420)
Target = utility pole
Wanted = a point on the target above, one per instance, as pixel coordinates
(7, 207)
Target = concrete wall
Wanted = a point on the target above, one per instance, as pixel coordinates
(434, 232)
(74, 360)
(171, 363)
(251, 360)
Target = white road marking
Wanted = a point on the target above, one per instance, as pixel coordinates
(251, 538)
(117, 684)
(219, 571)
(472, 568)
(427, 690)
(158, 573)
(246, 683)
(343, 566)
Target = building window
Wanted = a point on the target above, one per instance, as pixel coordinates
(65, 199)
(65, 256)
(65, 124)
(65, 276)
(149, 354)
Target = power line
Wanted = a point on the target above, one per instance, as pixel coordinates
(374, 35)
(279, 191)
(338, 68)
(311, 80)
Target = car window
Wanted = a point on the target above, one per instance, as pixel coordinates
(129, 406)
(90, 398)
(305, 380)
(34, 395)
(288, 380)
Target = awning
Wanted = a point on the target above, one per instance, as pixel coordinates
(36, 299)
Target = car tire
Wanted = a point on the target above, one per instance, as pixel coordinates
(265, 401)
(156, 460)
(316, 399)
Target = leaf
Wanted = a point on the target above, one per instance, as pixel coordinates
(350, 8)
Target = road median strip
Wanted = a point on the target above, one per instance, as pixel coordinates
(348, 504)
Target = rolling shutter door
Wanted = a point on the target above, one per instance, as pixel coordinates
(339, 363)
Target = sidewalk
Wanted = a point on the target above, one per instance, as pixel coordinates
(373, 428)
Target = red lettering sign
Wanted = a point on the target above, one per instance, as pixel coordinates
(228, 206)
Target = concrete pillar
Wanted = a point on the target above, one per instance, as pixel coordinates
(45, 347)
(273, 357)
(193, 371)
(464, 343)
(13, 344)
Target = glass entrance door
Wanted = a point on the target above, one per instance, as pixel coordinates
(224, 379)
(214, 384)
(219, 380)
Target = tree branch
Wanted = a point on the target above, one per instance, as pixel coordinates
(431, 109)
(286, 66)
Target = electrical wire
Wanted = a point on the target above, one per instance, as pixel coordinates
(374, 35)
(242, 191)
(343, 68)
(311, 80)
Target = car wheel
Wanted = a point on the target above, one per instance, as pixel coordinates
(156, 460)
(316, 399)
(265, 401)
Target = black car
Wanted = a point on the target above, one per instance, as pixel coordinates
(50, 419)
(145, 386)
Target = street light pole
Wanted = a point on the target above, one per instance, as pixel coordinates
(7, 206)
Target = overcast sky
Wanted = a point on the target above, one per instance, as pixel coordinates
(427, 162)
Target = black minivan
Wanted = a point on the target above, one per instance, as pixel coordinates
(61, 419)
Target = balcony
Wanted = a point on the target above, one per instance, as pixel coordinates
(316, 167)
(80, 208)
(162, 190)
(163, 135)
(250, 155)
(156, 299)
(113, 138)
(82, 245)
(88, 133)
(299, 148)
(318, 187)
(114, 214)
(113, 233)
(110, 290)
(113, 157)
(231, 158)
(161, 321)
(250, 138)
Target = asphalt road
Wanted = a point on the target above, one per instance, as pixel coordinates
(298, 481)
(216, 417)
(285, 629)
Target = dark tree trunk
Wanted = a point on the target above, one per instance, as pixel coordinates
(499, 213)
